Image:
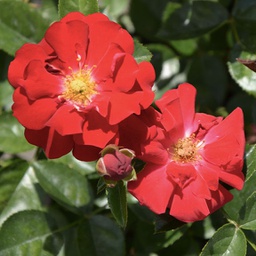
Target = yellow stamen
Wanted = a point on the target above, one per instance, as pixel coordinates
(79, 87)
(186, 150)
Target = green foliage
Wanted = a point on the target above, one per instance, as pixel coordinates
(118, 203)
(84, 6)
(59, 207)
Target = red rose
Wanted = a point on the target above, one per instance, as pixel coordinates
(197, 152)
(74, 87)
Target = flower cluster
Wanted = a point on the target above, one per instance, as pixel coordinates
(80, 89)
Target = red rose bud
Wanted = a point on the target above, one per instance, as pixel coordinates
(116, 164)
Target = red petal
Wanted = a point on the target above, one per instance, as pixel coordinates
(86, 153)
(219, 198)
(96, 131)
(180, 103)
(68, 40)
(177, 107)
(182, 174)
(155, 153)
(32, 114)
(234, 179)
(67, 120)
(187, 207)
(152, 188)
(225, 140)
(210, 174)
(125, 70)
(146, 75)
(123, 105)
(23, 56)
(53, 143)
(104, 68)
(102, 35)
(40, 83)
(200, 188)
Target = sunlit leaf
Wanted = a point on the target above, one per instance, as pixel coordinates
(247, 214)
(141, 53)
(29, 233)
(6, 92)
(65, 185)
(245, 77)
(82, 167)
(28, 195)
(25, 25)
(228, 240)
(12, 135)
(10, 177)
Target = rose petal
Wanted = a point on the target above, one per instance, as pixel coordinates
(40, 83)
(180, 103)
(152, 188)
(67, 120)
(182, 174)
(219, 197)
(187, 207)
(32, 114)
(69, 41)
(86, 153)
(96, 131)
(23, 56)
(53, 143)
(112, 34)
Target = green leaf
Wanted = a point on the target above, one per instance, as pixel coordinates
(233, 208)
(192, 20)
(84, 168)
(29, 233)
(6, 92)
(146, 16)
(247, 214)
(10, 177)
(28, 195)
(12, 135)
(250, 161)
(244, 77)
(228, 240)
(244, 22)
(141, 53)
(84, 6)
(65, 185)
(20, 22)
(118, 202)
(99, 236)
(211, 87)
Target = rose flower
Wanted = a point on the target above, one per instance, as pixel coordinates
(74, 87)
(186, 169)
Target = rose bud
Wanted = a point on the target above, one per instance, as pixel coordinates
(116, 164)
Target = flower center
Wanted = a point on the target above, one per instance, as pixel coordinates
(186, 150)
(79, 87)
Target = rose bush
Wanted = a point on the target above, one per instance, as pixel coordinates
(189, 162)
(74, 87)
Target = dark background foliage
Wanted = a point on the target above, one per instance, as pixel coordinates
(59, 207)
